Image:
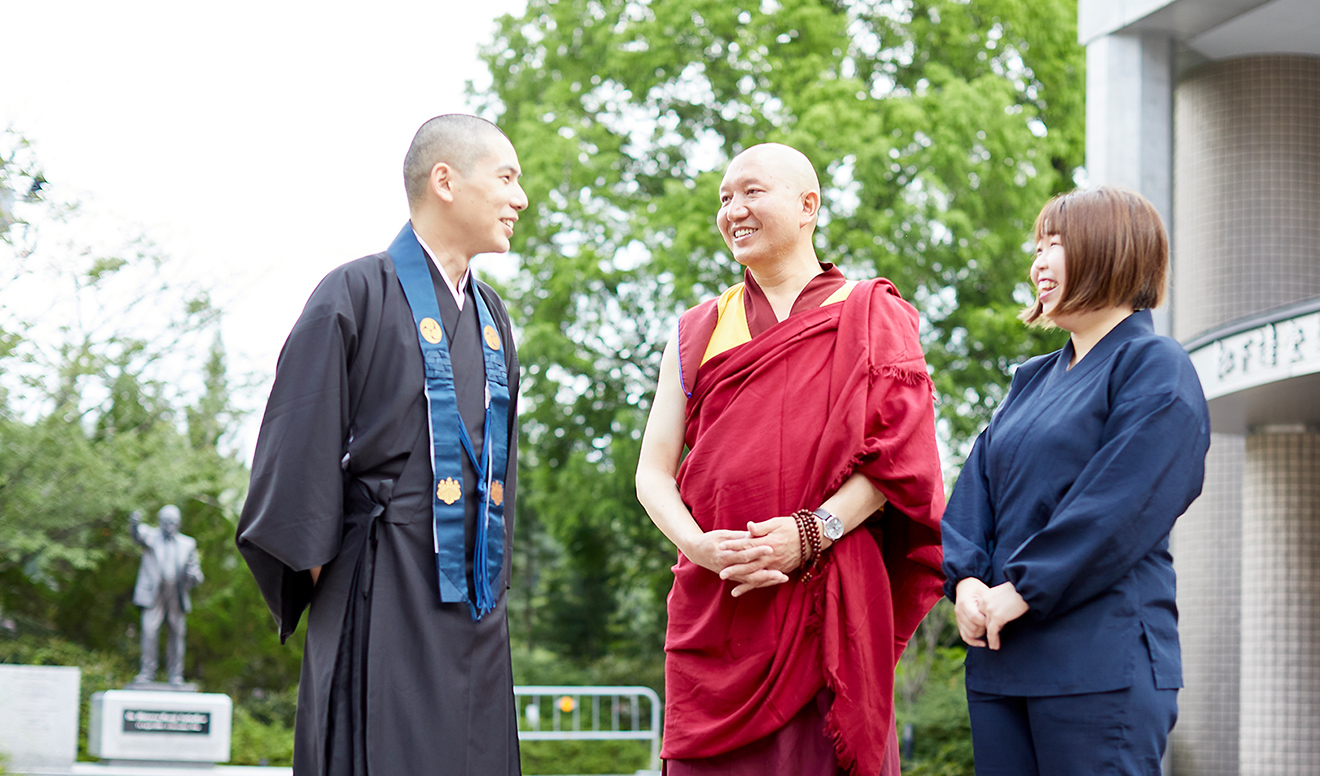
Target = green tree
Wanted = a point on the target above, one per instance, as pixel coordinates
(111, 401)
(89, 423)
(938, 129)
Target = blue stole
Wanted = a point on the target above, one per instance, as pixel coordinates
(449, 437)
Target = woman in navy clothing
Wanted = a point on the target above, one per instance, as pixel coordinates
(1056, 537)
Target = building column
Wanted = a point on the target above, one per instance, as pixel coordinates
(1280, 662)
(1207, 555)
(1129, 121)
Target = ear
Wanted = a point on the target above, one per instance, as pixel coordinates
(442, 181)
(810, 208)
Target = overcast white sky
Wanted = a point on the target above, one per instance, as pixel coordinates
(261, 142)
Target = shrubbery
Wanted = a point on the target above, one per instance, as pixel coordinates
(942, 734)
(260, 737)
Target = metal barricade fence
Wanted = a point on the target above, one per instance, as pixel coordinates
(624, 718)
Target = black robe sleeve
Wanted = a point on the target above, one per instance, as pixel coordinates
(292, 519)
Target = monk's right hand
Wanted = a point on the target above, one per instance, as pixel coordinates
(778, 541)
(718, 550)
(967, 611)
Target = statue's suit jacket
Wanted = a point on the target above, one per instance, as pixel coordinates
(149, 577)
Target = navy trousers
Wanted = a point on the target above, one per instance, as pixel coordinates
(1121, 732)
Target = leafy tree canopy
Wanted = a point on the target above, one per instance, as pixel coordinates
(938, 129)
(114, 397)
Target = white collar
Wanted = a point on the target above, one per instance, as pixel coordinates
(454, 290)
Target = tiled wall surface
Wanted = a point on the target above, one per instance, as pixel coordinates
(1280, 654)
(1207, 554)
(1246, 189)
(1246, 239)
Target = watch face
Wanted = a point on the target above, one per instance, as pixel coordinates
(833, 528)
(830, 525)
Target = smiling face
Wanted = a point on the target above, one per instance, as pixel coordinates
(1116, 253)
(765, 203)
(487, 198)
(1049, 273)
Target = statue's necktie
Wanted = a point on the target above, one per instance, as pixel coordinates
(168, 570)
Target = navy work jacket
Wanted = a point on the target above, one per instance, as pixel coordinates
(1070, 494)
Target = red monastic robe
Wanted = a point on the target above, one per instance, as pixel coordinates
(776, 422)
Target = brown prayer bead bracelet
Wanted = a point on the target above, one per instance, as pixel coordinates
(809, 539)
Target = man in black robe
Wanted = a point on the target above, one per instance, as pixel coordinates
(339, 516)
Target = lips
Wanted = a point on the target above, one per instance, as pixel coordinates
(742, 231)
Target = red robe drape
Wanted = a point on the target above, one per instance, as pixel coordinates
(775, 425)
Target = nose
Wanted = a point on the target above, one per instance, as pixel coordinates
(1037, 263)
(519, 198)
(735, 208)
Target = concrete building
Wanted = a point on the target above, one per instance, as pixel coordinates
(1211, 108)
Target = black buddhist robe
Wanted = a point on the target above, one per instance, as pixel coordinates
(393, 681)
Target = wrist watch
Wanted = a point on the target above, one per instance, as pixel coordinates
(831, 526)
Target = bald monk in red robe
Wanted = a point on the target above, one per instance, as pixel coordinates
(806, 512)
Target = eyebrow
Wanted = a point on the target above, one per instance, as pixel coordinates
(511, 169)
(747, 180)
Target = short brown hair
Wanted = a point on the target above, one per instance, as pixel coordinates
(1115, 249)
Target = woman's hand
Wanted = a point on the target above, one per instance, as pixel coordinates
(967, 610)
(1001, 605)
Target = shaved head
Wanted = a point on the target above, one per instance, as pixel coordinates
(791, 166)
(456, 139)
(769, 204)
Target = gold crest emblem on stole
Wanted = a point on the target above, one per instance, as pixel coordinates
(492, 337)
(431, 330)
(497, 492)
(449, 490)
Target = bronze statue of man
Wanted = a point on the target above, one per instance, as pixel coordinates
(170, 568)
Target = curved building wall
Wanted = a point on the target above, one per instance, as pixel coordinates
(1280, 679)
(1246, 189)
(1246, 240)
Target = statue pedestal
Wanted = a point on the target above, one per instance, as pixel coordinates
(160, 726)
(161, 686)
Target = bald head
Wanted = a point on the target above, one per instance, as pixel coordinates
(791, 167)
(456, 139)
(769, 202)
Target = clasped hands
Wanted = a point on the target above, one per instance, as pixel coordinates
(982, 611)
(761, 556)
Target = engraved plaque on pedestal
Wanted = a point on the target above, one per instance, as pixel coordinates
(154, 726)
